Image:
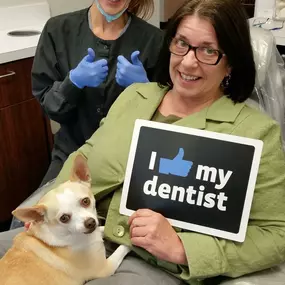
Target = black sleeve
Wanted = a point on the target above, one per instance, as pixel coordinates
(154, 51)
(55, 92)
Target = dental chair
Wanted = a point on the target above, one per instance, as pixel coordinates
(269, 97)
(269, 91)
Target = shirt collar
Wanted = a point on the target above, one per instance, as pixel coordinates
(222, 110)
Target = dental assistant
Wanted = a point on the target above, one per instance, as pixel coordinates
(84, 60)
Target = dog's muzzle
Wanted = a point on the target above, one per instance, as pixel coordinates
(90, 225)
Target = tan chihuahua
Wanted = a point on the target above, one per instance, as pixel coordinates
(63, 245)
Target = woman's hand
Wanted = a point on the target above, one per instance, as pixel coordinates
(153, 232)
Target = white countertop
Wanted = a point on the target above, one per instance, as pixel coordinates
(21, 18)
(15, 48)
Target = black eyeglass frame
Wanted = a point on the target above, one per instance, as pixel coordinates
(190, 47)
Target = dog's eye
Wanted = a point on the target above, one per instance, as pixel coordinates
(85, 202)
(65, 218)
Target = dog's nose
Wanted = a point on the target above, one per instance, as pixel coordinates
(90, 224)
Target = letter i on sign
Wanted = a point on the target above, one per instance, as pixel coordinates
(152, 160)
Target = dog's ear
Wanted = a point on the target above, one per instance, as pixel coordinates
(80, 170)
(30, 214)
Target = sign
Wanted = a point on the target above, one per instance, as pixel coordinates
(199, 180)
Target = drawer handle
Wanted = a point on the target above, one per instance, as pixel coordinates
(11, 73)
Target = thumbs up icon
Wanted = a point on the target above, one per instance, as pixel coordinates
(176, 166)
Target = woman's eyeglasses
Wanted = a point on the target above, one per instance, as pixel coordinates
(206, 55)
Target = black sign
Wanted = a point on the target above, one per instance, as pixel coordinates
(201, 181)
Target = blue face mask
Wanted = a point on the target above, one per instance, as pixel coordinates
(109, 18)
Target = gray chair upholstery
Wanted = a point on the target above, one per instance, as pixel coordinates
(32, 200)
(269, 97)
(269, 92)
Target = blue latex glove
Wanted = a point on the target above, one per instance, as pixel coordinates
(129, 73)
(89, 73)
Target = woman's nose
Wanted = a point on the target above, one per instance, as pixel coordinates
(190, 59)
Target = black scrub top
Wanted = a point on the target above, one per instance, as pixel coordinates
(62, 45)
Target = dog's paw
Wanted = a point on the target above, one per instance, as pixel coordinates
(101, 229)
(124, 249)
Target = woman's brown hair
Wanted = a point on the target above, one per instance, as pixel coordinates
(141, 8)
(229, 20)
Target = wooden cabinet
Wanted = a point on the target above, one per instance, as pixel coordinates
(25, 137)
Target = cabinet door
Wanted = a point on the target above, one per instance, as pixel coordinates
(24, 153)
(15, 82)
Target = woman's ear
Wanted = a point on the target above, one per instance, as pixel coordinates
(229, 71)
(31, 214)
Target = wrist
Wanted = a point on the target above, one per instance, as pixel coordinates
(72, 78)
(146, 80)
(179, 254)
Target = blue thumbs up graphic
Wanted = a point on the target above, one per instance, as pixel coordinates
(176, 166)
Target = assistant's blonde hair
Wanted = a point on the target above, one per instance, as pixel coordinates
(141, 8)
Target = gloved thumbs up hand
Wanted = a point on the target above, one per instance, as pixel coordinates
(91, 55)
(135, 58)
(130, 72)
(89, 73)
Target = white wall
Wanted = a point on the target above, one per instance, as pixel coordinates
(63, 6)
(155, 19)
(16, 2)
(264, 8)
(57, 6)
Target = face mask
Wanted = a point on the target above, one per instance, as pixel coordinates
(109, 18)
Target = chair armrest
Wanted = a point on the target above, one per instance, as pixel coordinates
(37, 195)
(31, 201)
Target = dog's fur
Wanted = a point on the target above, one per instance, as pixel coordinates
(55, 250)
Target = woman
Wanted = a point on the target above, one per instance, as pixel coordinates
(210, 73)
(208, 54)
(77, 89)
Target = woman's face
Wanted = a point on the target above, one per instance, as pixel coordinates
(190, 77)
(113, 7)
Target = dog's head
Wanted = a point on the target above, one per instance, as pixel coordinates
(66, 215)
